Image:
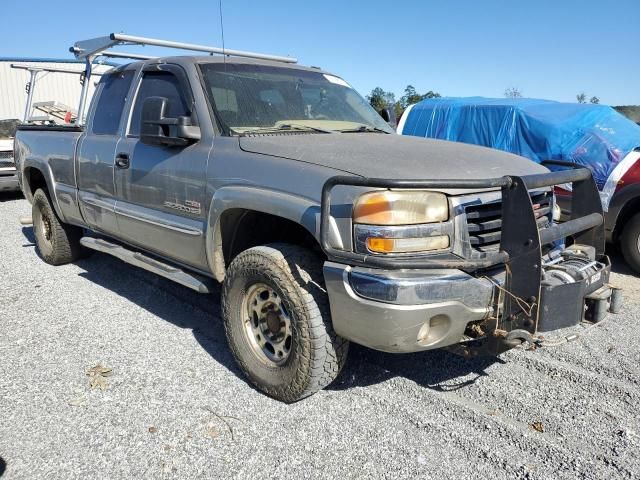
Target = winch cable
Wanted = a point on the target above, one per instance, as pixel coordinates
(522, 303)
(570, 338)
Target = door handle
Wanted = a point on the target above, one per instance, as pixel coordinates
(122, 160)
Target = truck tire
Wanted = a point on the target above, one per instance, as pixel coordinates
(277, 321)
(57, 242)
(630, 242)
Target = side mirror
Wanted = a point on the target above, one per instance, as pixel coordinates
(389, 116)
(156, 129)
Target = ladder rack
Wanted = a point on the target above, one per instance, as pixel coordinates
(34, 70)
(97, 46)
(88, 50)
(132, 56)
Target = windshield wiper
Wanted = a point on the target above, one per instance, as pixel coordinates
(299, 126)
(364, 128)
(286, 127)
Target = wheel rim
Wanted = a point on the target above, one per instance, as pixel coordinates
(267, 324)
(44, 229)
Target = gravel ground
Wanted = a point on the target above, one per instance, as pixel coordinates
(176, 406)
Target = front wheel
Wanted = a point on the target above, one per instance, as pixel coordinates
(277, 321)
(630, 242)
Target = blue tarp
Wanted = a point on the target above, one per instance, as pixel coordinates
(595, 136)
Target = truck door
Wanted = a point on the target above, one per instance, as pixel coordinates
(97, 150)
(161, 189)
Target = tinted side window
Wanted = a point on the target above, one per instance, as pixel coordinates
(113, 96)
(159, 84)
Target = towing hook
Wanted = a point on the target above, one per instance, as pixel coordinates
(519, 335)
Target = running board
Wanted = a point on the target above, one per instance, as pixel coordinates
(195, 282)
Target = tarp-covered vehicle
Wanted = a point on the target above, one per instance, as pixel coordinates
(594, 136)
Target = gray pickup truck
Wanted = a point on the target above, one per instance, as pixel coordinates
(323, 226)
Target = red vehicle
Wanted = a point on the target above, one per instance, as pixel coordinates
(622, 218)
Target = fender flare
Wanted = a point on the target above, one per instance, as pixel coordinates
(301, 210)
(45, 169)
(619, 203)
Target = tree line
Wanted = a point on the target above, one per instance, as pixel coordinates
(381, 99)
(515, 92)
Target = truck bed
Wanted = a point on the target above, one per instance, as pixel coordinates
(51, 149)
(52, 128)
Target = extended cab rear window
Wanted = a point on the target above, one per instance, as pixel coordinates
(113, 97)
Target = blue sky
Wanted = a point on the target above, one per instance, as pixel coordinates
(547, 49)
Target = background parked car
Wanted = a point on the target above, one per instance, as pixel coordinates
(595, 136)
(8, 175)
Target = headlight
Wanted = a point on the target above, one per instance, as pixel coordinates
(392, 207)
(401, 222)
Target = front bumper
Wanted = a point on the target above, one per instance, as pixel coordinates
(409, 311)
(421, 310)
(9, 181)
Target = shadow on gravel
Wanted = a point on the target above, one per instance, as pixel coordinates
(3, 466)
(437, 370)
(10, 196)
(195, 311)
(618, 263)
(30, 236)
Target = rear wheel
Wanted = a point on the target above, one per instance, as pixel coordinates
(277, 321)
(57, 242)
(630, 242)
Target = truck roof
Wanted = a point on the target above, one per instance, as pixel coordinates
(92, 48)
(207, 59)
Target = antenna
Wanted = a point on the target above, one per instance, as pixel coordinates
(222, 31)
(224, 57)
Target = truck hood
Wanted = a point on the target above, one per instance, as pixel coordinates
(393, 156)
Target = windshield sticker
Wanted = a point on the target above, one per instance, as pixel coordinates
(336, 80)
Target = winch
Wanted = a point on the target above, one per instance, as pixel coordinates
(571, 275)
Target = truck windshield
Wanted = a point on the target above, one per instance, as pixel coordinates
(255, 99)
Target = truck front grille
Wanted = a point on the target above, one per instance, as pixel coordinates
(484, 221)
(6, 159)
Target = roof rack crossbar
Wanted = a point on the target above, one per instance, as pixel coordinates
(37, 68)
(78, 52)
(95, 46)
(132, 56)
